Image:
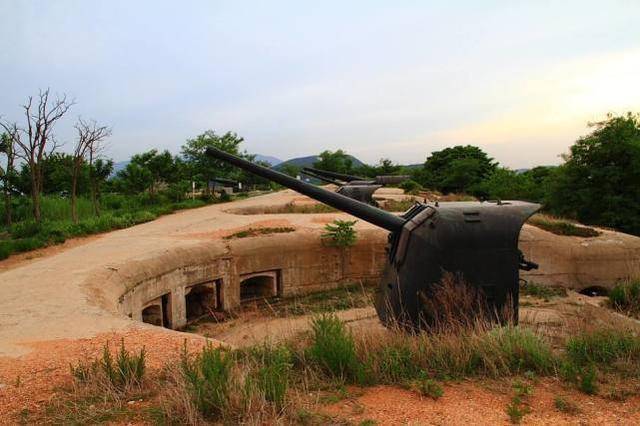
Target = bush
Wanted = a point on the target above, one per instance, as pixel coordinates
(273, 373)
(208, 379)
(340, 233)
(410, 186)
(6, 249)
(125, 371)
(426, 386)
(333, 349)
(603, 347)
(625, 297)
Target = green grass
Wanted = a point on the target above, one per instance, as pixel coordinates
(269, 383)
(254, 232)
(118, 212)
(625, 297)
(333, 349)
(208, 379)
(562, 227)
(542, 291)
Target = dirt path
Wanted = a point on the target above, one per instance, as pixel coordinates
(55, 295)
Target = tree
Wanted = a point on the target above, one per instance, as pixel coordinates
(146, 171)
(386, 167)
(89, 137)
(599, 183)
(456, 169)
(337, 161)
(7, 174)
(37, 139)
(204, 167)
(290, 169)
(99, 172)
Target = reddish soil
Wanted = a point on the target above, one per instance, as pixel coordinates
(482, 404)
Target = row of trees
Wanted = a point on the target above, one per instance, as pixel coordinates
(34, 144)
(598, 183)
(32, 164)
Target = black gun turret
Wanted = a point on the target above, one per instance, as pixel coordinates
(478, 240)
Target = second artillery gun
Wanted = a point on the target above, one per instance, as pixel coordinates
(478, 240)
(356, 187)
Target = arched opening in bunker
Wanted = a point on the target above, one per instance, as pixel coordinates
(258, 287)
(594, 290)
(201, 300)
(152, 315)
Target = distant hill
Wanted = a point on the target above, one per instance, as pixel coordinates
(268, 159)
(308, 162)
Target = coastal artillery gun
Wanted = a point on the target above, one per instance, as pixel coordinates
(478, 240)
(358, 180)
(362, 192)
(356, 187)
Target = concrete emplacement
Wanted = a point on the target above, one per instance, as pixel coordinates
(179, 267)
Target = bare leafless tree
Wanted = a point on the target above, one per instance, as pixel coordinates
(88, 146)
(7, 147)
(36, 140)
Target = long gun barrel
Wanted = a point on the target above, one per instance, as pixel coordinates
(360, 210)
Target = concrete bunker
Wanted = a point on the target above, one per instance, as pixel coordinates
(152, 314)
(202, 299)
(259, 285)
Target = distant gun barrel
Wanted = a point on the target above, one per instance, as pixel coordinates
(341, 176)
(358, 209)
(322, 178)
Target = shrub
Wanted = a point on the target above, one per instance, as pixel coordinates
(6, 249)
(603, 347)
(333, 349)
(566, 406)
(208, 379)
(542, 291)
(273, 373)
(125, 371)
(625, 297)
(396, 364)
(426, 386)
(340, 233)
(410, 186)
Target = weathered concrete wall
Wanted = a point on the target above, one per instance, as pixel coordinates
(302, 262)
(580, 263)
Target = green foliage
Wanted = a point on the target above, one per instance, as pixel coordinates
(397, 364)
(126, 370)
(426, 386)
(603, 347)
(337, 161)
(599, 181)
(274, 372)
(340, 233)
(410, 186)
(625, 297)
(253, 232)
(204, 168)
(333, 349)
(562, 227)
(456, 169)
(542, 291)
(208, 379)
(564, 405)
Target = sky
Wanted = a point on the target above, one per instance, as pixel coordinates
(379, 79)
